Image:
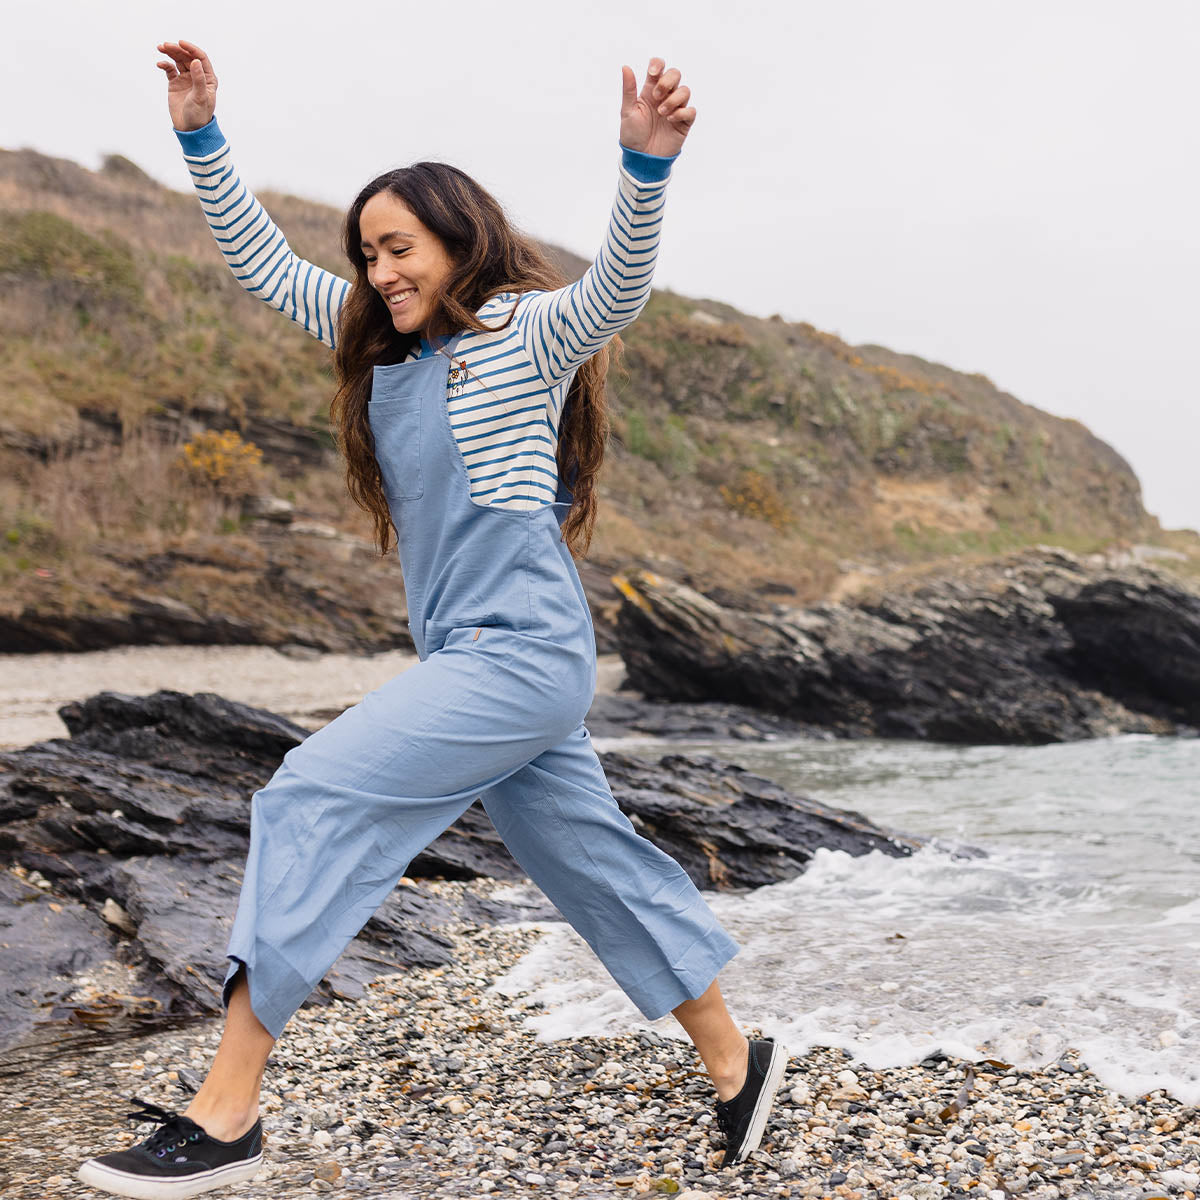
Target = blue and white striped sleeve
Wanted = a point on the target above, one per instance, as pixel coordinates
(253, 245)
(564, 328)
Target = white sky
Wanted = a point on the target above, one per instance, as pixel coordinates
(1008, 187)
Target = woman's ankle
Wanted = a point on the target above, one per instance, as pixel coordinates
(225, 1122)
(729, 1074)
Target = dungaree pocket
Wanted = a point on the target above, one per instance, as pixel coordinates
(396, 426)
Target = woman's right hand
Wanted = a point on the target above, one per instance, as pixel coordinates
(191, 84)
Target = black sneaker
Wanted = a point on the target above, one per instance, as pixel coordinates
(178, 1159)
(744, 1118)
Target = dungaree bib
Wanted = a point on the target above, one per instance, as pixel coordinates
(466, 565)
(494, 710)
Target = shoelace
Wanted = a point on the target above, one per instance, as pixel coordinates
(725, 1120)
(175, 1130)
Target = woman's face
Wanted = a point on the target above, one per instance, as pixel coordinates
(405, 262)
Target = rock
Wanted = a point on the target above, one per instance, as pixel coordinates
(621, 715)
(117, 917)
(43, 950)
(1034, 647)
(1189, 1180)
(729, 828)
(332, 593)
(268, 508)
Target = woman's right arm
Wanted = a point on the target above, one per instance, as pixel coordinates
(253, 245)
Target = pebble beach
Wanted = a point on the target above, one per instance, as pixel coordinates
(430, 1085)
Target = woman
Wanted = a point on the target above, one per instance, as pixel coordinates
(470, 410)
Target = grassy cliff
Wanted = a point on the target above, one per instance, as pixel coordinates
(750, 457)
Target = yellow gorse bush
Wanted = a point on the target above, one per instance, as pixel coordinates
(756, 496)
(222, 461)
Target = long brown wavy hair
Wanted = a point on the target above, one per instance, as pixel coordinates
(488, 257)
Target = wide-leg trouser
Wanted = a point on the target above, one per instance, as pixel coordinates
(500, 717)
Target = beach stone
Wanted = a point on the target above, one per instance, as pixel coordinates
(928, 1191)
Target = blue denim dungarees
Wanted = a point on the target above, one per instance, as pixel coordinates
(494, 709)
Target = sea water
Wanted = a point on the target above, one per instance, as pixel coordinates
(1078, 928)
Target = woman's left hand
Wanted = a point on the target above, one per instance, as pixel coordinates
(657, 121)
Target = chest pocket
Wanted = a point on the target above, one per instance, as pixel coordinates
(396, 427)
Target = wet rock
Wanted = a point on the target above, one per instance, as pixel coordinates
(729, 828)
(47, 941)
(1034, 647)
(620, 715)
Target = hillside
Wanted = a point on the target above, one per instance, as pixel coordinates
(751, 458)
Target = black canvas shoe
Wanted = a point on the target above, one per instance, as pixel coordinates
(744, 1118)
(178, 1159)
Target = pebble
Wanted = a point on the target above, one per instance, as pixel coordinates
(432, 1086)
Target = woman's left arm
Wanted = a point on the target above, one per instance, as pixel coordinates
(562, 329)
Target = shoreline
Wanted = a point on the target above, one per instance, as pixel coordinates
(431, 1086)
(307, 688)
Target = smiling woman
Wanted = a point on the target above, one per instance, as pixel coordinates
(470, 410)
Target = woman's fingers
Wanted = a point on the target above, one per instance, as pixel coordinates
(668, 81)
(677, 99)
(653, 71)
(628, 91)
(176, 52)
(199, 87)
(186, 53)
(682, 119)
(196, 52)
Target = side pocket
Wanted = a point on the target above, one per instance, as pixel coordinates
(396, 427)
(440, 634)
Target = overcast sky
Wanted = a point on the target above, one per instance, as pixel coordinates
(1008, 187)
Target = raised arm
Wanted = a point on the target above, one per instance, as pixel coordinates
(562, 329)
(252, 244)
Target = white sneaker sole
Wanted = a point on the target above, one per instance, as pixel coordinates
(141, 1187)
(762, 1107)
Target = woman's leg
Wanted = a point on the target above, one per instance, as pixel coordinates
(631, 902)
(722, 1048)
(226, 1105)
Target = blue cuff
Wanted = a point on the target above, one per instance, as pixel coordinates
(646, 168)
(206, 140)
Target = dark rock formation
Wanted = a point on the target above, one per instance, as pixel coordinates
(295, 584)
(626, 714)
(1035, 647)
(729, 828)
(128, 841)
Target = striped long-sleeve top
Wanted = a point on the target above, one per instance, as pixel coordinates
(505, 408)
